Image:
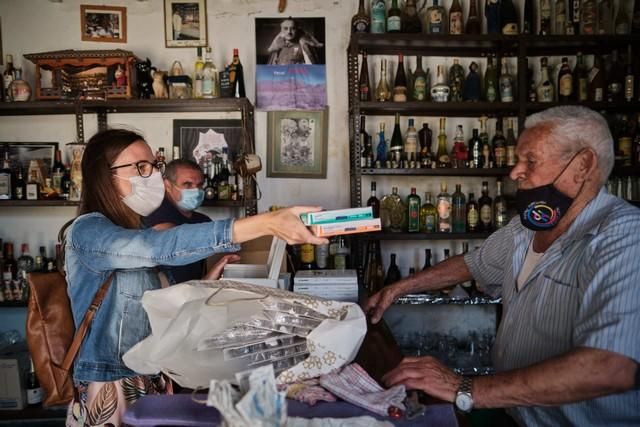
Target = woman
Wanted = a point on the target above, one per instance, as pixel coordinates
(122, 182)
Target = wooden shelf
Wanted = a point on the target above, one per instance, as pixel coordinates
(8, 304)
(387, 235)
(124, 106)
(499, 172)
(439, 109)
(619, 106)
(553, 45)
(34, 413)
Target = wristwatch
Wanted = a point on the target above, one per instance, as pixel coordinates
(464, 400)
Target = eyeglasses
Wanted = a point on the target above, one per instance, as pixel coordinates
(145, 168)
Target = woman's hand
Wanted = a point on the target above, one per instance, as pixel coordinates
(378, 303)
(215, 272)
(286, 224)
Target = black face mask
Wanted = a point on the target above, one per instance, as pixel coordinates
(542, 207)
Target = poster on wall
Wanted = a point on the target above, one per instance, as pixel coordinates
(291, 71)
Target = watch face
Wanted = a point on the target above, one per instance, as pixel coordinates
(464, 402)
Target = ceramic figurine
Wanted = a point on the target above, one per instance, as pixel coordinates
(159, 86)
(143, 77)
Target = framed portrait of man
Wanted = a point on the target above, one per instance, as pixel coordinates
(185, 23)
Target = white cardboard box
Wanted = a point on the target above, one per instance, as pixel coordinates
(267, 274)
(12, 391)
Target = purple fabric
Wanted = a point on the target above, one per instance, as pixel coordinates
(181, 410)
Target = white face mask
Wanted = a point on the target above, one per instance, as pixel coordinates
(146, 193)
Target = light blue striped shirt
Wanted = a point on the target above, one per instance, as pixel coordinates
(584, 292)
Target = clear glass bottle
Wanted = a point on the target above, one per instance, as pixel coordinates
(440, 91)
(544, 91)
(198, 74)
(506, 82)
(413, 212)
(456, 23)
(393, 212)
(560, 20)
(378, 17)
(411, 140)
(459, 210)
(545, 17)
(499, 207)
(442, 155)
(428, 215)
(443, 207)
(210, 77)
(383, 93)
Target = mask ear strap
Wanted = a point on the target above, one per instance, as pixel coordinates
(567, 165)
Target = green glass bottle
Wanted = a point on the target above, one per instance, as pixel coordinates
(413, 212)
(490, 81)
(459, 210)
(428, 215)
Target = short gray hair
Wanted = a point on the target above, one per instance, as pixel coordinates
(171, 170)
(574, 128)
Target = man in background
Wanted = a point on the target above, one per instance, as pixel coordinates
(293, 45)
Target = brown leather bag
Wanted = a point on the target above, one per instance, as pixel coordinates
(51, 336)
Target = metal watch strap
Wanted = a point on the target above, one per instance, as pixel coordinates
(465, 385)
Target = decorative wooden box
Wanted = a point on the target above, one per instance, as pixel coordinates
(86, 74)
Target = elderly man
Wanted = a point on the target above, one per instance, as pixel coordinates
(567, 349)
(293, 45)
(183, 183)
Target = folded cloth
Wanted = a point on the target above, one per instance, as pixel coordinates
(355, 386)
(337, 422)
(309, 392)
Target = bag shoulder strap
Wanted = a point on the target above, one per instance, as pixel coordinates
(86, 322)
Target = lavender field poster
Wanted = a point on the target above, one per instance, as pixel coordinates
(291, 70)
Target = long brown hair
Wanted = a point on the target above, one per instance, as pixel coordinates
(99, 193)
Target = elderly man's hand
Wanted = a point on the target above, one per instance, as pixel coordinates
(426, 374)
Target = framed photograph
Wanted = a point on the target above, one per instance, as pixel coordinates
(21, 153)
(185, 23)
(297, 144)
(199, 140)
(290, 41)
(103, 23)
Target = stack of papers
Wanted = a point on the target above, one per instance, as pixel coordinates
(337, 285)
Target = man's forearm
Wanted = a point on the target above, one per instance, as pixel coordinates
(443, 275)
(581, 374)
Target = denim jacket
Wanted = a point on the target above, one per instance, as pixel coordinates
(94, 248)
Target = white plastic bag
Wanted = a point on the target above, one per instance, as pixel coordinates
(309, 336)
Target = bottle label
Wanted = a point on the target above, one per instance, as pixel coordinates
(322, 254)
(485, 214)
(306, 253)
(444, 210)
(598, 95)
(501, 214)
(207, 87)
(361, 25)
(511, 155)
(506, 90)
(5, 186)
(500, 155)
(34, 396)
(472, 218)
(393, 23)
(419, 88)
(583, 89)
(545, 93)
(340, 262)
(430, 223)
(566, 85)
(435, 21)
(628, 87)
(455, 23)
(491, 92)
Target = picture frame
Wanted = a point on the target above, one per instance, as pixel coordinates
(297, 144)
(21, 153)
(103, 23)
(185, 23)
(197, 138)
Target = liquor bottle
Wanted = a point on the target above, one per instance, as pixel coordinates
(33, 187)
(373, 271)
(580, 79)
(20, 187)
(65, 183)
(400, 84)
(8, 77)
(472, 88)
(473, 214)
(381, 148)
(565, 82)
(456, 24)
(615, 79)
(10, 264)
(456, 80)
(378, 17)
(625, 142)
(413, 212)
(419, 82)
(596, 81)
(373, 201)
(485, 208)
(574, 15)
(34, 391)
(223, 178)
(475, 150)
(508, 18)
(410, 19)
(605, 17)
(589, 18)
(486, 151)
(560, 20)
(635, 18)
(442, 156)
(427, 259)
(366, 155)
(393, 273)
(629, 79)
(506, 83)
(474, 23)
(490, 81)
(440, 90)
(383, 93)
(443, 207)
(6, 178)
(511, 145)
(622, 23)
(393, 212)
(411, 140)
(459, 210)
(198, 74)
(499, 146)
(459, 150)
(436, 19)
(545, 17)
(492, 14)
(322, 256)
(395, 148)
(25, 261)
(428, 215)
(43, 259)
(528, 23)
(307, 257)
(499, 207)
(360, 22)
(544, 91)
(363, 84)
(531, 95)
(209, 77)
(57, 172)
(394, 18)
(236, 76)
(636, 144)
(425, 136)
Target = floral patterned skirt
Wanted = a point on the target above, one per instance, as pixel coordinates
(104, 403)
